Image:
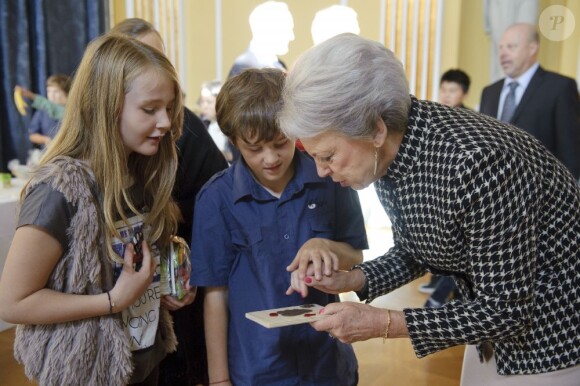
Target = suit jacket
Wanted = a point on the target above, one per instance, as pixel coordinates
(549, 110)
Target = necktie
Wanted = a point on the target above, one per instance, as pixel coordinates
(509, 105)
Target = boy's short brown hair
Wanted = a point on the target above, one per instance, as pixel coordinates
(248, 104)
(59, 80)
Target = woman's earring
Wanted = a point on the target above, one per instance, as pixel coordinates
(376, 160)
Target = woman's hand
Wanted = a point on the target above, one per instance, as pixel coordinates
(172, 304)
(352, 322)
(339, 282)
(131, 284)
(316, 252)
(297, 284)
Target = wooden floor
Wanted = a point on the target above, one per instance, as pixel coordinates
(395, 363)
(392, 363)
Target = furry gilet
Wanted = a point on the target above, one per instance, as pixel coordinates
(92, 351)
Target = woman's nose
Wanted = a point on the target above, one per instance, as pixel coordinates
(322, 170)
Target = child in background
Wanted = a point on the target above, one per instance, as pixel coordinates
(251, 221)
(87, 314)
(453, 88)
(209, 93)
(45, 121)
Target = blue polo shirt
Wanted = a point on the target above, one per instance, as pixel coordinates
(42, 123)
(243, 238)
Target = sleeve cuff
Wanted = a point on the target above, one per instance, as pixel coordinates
(362, 294)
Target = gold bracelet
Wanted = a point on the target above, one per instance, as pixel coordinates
(386, 335)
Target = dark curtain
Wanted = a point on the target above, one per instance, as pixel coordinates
(39, 38)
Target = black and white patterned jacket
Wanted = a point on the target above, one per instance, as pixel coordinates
(485, 203)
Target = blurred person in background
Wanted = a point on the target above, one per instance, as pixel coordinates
(50, 110)
(272, 28)
(453, 88)
(209, 92)
(542, 103)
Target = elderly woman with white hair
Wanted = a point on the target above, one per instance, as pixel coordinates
(468, 197)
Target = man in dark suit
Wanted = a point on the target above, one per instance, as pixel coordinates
(543, 103)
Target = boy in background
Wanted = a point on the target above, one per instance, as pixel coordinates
(453, 88)
(50, 110)
(251, 221)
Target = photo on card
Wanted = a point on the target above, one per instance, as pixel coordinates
(287, 316)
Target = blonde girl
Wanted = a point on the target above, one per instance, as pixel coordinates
(89, 311)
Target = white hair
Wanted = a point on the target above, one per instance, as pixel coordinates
(345, 84)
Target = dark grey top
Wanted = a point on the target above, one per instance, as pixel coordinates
(48, 209)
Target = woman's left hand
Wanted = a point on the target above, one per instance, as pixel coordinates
(172, 304)
(352, 322)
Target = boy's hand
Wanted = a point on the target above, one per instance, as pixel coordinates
(25, 92)
(316, 251)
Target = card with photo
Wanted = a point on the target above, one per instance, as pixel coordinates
(287, 316)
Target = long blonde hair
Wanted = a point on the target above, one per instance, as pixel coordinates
(90, 131)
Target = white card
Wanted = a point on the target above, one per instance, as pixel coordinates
(287, 316)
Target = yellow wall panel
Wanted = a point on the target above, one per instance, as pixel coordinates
(464, 44)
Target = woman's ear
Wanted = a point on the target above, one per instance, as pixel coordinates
(381, 132)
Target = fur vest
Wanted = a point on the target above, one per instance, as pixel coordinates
(92, 351)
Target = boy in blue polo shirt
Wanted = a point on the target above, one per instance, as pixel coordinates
(251, 221)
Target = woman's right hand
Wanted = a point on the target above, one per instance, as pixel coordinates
(131, 284)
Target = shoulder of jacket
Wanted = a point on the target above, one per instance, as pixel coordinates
(498, 83)
(555, 77)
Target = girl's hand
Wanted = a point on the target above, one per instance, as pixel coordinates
(131, 284)
(173, 304)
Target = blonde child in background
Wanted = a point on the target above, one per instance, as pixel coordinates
(50, 110)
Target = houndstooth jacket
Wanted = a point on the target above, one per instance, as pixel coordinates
(484, 202)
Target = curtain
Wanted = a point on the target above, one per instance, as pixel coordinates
(39, 38)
